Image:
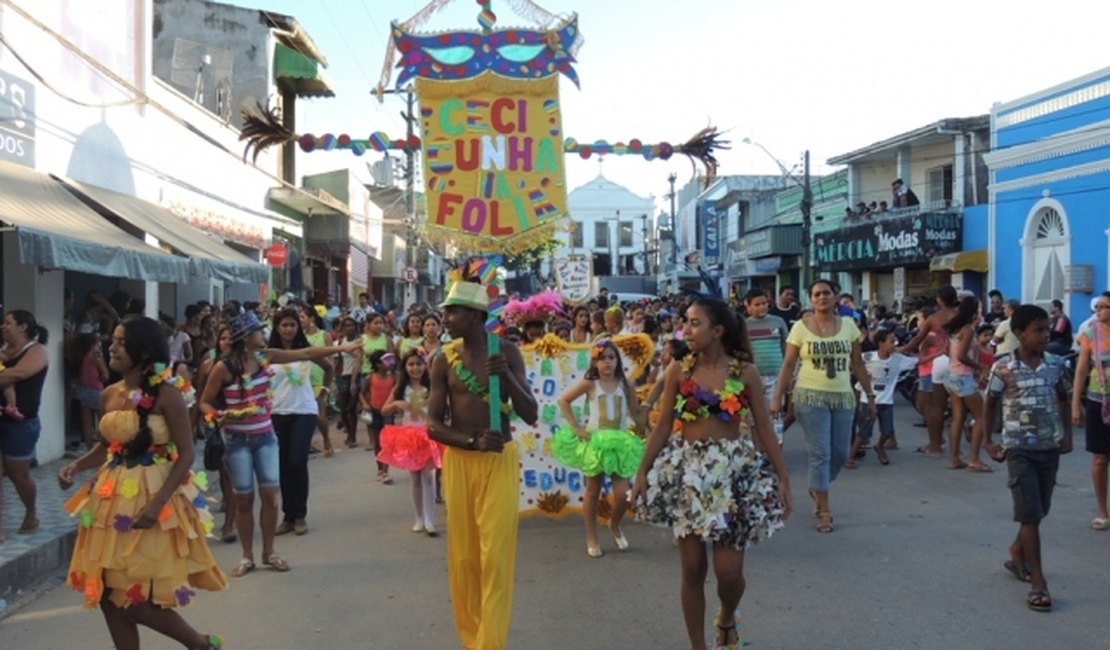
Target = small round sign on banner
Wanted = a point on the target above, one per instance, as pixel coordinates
(409, 274)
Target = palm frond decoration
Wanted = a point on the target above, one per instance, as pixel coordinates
(262, 129)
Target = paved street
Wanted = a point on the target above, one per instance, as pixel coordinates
(915, 562)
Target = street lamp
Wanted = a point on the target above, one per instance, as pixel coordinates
(806, 207)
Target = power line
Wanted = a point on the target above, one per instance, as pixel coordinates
(350, 50)
(38, 76)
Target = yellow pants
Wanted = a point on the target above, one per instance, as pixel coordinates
(482, 490)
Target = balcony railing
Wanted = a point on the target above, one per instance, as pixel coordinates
(927, 207)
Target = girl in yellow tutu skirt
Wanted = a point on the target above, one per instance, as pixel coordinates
(141, 549)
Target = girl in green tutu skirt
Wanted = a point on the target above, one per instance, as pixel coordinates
(606, 444)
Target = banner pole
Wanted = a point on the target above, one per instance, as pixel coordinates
(494, 385)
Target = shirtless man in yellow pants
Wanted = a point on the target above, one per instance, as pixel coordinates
(481, 475)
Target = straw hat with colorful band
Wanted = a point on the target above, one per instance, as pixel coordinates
(244, 324)
(467, 294)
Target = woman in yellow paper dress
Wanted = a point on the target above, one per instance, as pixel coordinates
(141, 549)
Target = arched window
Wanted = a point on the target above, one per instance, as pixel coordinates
(1046, 252)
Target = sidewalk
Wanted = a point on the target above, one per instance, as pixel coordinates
(27, 559)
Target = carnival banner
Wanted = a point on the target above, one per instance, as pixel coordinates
(575, 277)
(552, 366)
(493, 163)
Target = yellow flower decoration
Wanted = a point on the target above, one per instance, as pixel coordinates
(547, 449)
(688, 364)
(528, 443)
(549, 347)
(200, 479)
(207, 526)
(129, 489)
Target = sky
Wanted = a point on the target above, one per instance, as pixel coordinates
(791, 75)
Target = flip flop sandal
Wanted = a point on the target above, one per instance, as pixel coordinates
(29, 528)
(979, 468)
(215, 642)
(726, 630)
(276, 563)
(1039, 600)
(244, 567)
(1020, 573)
(1100, 523)
(823, 527)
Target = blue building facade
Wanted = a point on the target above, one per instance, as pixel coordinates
(1049, 209)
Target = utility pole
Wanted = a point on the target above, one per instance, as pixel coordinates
(674, 236)
(410, 186)
(805, 276)
(615, 244)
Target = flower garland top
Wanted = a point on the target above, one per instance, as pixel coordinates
(475, 387)
(154, 455)
(694, 402)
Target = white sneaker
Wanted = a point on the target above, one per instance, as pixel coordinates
(418, 527)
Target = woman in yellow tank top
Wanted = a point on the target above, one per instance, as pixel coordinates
(373, 339)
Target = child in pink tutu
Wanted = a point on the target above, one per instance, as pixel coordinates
(407, 445)
(604, 445)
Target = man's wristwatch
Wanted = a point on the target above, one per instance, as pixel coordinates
(472, 442)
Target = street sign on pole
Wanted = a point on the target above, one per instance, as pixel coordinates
(409, 274)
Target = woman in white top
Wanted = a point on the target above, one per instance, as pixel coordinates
(294, 417)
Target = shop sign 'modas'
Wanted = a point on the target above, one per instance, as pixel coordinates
(899, 241)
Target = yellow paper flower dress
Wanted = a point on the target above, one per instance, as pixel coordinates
(162, 564)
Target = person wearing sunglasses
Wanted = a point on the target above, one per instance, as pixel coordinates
(828, 347)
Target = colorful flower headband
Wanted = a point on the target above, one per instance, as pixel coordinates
(597, 348)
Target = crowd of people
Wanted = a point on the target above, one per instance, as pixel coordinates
(694, 441)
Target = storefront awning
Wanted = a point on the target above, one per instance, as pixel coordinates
(300, 72)
(56, 230)
(208, 258)
(963, 261)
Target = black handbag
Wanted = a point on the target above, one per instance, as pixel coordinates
(213, 449)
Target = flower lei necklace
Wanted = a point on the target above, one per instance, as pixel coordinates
(260, 406)
(162, 374)
(694, 402)
(475, 387)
